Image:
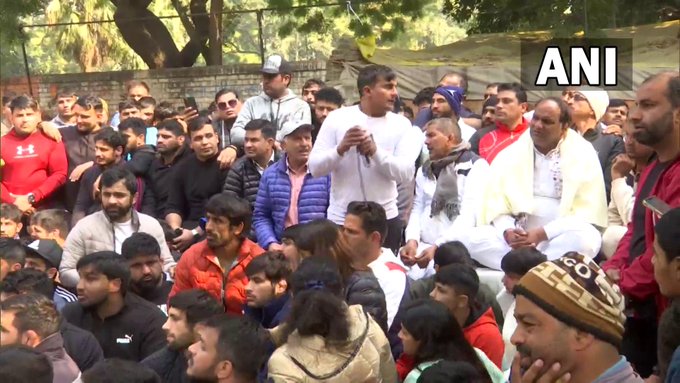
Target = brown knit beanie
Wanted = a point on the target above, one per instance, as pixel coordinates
(577, 292)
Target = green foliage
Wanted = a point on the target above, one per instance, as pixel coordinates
(11, 14)
(563, 17)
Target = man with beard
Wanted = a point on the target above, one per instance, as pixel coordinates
(185, 310)
(194, 181)
(488, 122)
(109, 149)
(171, 149)
(569, 324)
(147, 279)
(219, 355)
(446, 103)
(66, 98)
(309, 90)
(79, 141)
(106, 230)
(217, 264)
(125, 325)
(362, 170)
(656, 121)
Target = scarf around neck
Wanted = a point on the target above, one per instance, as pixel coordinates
(446, 192)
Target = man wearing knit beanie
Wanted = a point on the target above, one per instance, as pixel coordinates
(570, 314)
(587, 105)
(447, 103)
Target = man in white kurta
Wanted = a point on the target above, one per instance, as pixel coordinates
(546, 190)
(469, 174)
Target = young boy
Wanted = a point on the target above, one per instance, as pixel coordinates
(267, 298)
(10, 221)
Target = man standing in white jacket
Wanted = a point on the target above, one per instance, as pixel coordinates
(367, 150)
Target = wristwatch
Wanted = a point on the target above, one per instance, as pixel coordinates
(31, 198)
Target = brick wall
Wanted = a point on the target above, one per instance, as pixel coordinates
(166, 84)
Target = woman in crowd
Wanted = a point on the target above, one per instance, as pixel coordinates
(327, 339)
(431, 334)
(323, 238)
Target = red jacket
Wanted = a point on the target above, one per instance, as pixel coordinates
(33, 164)
(500, 138)
(198, 268)
(637, 277)
(482, 334)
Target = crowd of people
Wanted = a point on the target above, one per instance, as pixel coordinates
(287, 238)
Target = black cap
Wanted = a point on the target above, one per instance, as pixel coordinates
(277, 65)
(47, 249)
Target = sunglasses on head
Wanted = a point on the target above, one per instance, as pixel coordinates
(231, 103)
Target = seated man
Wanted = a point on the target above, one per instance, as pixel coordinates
(44, 255)
(106, 230)
(288, 193)
(570, 314)
(147, 279)
(12, 256)
(50, 224)
(456, 286)
(515, 264)
(449, 188)
(626, 171)
(33, 320)
(218, 263)
(267, 297)
(126, 326)
(545, 191)
(185, 310)
(244, 176)
(10, 221)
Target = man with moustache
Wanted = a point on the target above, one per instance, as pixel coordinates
(171, 149)
(218, 263)
(569, 325)
(147, 279)
(65, 116)
(107, 229)
(185, 310)
(656, 122)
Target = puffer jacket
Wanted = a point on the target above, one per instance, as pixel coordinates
(243, 180)
(362, 288)
(198, 268)
(95, 233)
(287, 108)
(273, 200)
(365, 358)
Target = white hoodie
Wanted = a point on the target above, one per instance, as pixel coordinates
(287, 108)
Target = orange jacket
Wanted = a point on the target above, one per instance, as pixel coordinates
(483, 333)
(198, 268)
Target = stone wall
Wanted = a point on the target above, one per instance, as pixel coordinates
(166, 84)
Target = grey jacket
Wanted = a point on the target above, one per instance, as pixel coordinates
(95, 233)
(286, 108)
(65, 369)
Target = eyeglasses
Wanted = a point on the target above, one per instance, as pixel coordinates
(231, 103)
(579, 97)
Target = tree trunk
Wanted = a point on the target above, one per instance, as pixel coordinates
(215, 37)
(152, 41)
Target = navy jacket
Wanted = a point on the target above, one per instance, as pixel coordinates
(273, 199)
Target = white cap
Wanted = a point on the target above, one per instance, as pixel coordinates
(597, 98)
(289, 127)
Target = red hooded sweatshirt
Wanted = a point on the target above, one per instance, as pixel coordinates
(481, 332)
(500, 138)
(637, 275)
(33, 164)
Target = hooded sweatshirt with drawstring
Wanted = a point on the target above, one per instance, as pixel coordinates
(287, 108)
